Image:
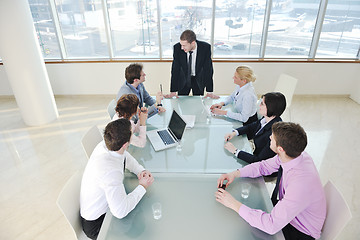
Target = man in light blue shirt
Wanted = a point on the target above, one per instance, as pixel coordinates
(135, 77)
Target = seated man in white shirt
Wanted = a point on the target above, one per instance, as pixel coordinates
(102, 183)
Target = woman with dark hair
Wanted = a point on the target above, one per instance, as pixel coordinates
(272, 105)
(127, 107)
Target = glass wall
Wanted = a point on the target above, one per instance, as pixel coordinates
(134, 28)
(45, 29)
(129, 29)
(238, 28)
(291, 28)
(82, 27)
(177, 16)
(340, 35)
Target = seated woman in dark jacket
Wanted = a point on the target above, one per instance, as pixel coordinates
(272, 106)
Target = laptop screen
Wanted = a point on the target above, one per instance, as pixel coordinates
(177, 125)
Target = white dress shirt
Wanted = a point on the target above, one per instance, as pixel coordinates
(102, 185)
(193, 60)
(244, 99)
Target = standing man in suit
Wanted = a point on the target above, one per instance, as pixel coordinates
(191, 67)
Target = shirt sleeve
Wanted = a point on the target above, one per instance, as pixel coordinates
(244, 109)
(147, 98)
(262, 168)
(140, 140)
(295, 200)
(230, 98)
(119, 202)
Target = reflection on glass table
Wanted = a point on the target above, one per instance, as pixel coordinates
(188, 210)
(202, 151)
(193, 105)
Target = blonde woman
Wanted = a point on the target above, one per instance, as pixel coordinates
(243, 98)
(127, 107)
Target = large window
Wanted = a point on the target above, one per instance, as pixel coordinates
(143, 29)
(238, 28)
(82, 27)
(340, 35)
(45, 29)
(177, 16)
(134, 28)
(291, 28)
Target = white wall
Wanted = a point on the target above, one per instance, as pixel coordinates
(106, 78)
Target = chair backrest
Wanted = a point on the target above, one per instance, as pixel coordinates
(69, 203)
(286, 84)
(338, 213)
(111, 108)
(91, 138)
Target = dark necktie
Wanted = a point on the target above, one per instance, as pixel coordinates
(276, 189)
(124, 164)
(188, 80)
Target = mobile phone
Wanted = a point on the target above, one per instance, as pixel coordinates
(223, 186)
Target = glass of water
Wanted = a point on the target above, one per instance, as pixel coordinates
(156, 209)
(245, 190)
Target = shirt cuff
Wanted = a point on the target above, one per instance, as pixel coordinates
(236, 131)
(140, 190)
(244, 211)
(237, 152)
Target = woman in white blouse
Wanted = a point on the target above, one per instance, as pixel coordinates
(127, 107)
(243, 98)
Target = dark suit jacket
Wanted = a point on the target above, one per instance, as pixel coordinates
(203, 67)
(261, 141)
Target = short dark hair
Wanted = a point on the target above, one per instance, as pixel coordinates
(188, 36)
(117, 133)
(291, 137)
(275, 103)
(127, 105)
(133, 71)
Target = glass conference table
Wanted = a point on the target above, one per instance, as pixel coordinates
(185, 183)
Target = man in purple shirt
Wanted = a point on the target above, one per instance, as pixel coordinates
(301, 209)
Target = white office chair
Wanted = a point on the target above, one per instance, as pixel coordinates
(91, 138)
(69, 204)
(338, 213)
(286, 84)
(111, 108)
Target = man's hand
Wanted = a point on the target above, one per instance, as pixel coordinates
(230, 147)
(143, 115)
(171, 95)
(211, 95)
(229, 177)
(229, 136)
(159, 97)
(227, 200)
(161, 109)
(145, 178)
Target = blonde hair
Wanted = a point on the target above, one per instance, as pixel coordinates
(247, 73)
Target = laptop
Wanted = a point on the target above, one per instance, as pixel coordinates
(168, 137)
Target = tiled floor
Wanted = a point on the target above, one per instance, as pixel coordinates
(35, 162)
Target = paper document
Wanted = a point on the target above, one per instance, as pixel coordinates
(190, 120)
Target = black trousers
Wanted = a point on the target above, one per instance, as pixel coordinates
(92, 228)
(291, 233)
(196, 91)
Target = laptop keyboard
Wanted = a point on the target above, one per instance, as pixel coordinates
(165, 136)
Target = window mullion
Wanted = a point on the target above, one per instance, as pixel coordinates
(58, 32)
(107, 28)
(317, 29)
(265, 29)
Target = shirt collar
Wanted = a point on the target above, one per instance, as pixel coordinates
(293, 163)
(132, 87)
